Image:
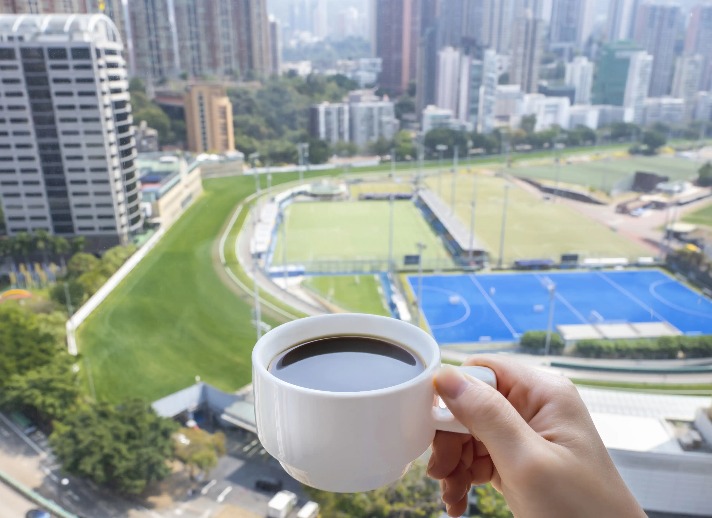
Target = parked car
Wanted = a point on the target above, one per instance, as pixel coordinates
(281, 504)
(268, 485)
(37, 513)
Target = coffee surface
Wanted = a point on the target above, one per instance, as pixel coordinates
(346, 364)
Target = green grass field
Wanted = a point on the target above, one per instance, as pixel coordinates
(356, 231)
(536, 228)
(357, 293)
(701, 216)
(173, 318)
(604, 174)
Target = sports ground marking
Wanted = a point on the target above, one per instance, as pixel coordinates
(633, 298)
(563, 299)
(457, 322)
(493, 306)
(653, 292)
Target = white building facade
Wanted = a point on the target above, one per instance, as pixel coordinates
(68, 149)
(637, 85)
(579, 74)
(330, 122)
(370, 118)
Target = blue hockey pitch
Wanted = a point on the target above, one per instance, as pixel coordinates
(501, 307)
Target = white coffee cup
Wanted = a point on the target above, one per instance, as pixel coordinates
(350, 441)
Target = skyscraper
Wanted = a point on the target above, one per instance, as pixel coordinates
(497, 18)
(640, 72)
(699, 40)
(275, 44)
(154, 52)
(427, 54)
(449, 71)
(686, 81)
(656, 30)
(579, 74)
(621, 19)
(527, 46)
(622, 75)
(397, 32)
(208, 119)
(487, 95)
(571, 25)
(67, 166)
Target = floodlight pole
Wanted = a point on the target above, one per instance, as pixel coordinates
(419, 303)
(472, 231)
(440, 148)
(393, 163)
(454, 180)
(390, 235)
(256, 290)
(552, 296)
(284, 248)
(504, 224)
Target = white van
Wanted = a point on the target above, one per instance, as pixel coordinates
(310, 510)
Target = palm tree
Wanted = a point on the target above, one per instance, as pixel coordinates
(22, 245)
(78, 244)
(60, 247)
(41, 241)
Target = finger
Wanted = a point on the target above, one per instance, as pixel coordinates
(467, 456)
(485, 412)
(458, 508)
(456, 485)
(447, 452)
(481, 470)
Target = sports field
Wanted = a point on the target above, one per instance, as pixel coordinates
(501, 307)
(604, 174)
(701, 216)
(357, 293)
(535, 228)
(352, 230)
(174, 318)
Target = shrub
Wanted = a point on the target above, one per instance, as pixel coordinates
(535, 342)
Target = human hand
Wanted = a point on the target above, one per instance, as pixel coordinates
(533, 439)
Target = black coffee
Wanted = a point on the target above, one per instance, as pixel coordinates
(346, 364)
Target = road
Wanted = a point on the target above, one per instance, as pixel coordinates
(12, 504)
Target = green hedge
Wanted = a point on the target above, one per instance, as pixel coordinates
(535, 342)
(663, 348)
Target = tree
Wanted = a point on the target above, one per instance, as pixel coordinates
(449, 137)
(24, 343)
(81, 263)
(157, 119)
(490, 503)
(115, 257)
(124, 447)
(76, 292)
(654, 141)
(404, 145)
(199, 449)
(704, 175)
(528, 123)
(319, 152)
(415, 496)
(46, 393)
(22, 245)
(78, 244)
(41, 240)
(535, 342)
(380, 147)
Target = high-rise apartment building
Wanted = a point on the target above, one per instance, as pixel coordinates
(579, 74)
(208, 119)
(450, 68)
(527, 47)
(497, 18)
(427, 54)
(397, 33)
(686, 81)
(487, 94)
(699, 40)
(621, 19)
(640, 73)
(370, 118)
(571, 25)
(251, 23)
(68, 150)
(330, 122)
(154, 53)
(656, 30)
(275, 45)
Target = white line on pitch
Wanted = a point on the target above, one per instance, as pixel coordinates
(207, 487)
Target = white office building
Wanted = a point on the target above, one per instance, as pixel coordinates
(637, 85)
(487, 95)
(579, 74)
(668, 110)
(67, 147)
(584, 115)
(508, 105)
(450, 69)
(434, 118)
(549, 111)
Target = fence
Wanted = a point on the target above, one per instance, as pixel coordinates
(51, 506)
(90, 305)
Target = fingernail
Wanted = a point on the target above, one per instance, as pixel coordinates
(450, 382)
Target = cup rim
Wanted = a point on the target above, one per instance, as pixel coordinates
(431, 363)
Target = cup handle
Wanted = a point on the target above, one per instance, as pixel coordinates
(444, 420)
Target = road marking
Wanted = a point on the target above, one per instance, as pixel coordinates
(207, 487)
(74, 496)
(250, 446)
(222, 495)
(21, 435)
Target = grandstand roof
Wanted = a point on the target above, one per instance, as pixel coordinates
(450, 221)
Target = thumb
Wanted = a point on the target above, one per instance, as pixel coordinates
(483, 411)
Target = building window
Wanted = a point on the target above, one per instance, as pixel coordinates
(7, 54)
(32, 53)
(81, 53)
(57, 53)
